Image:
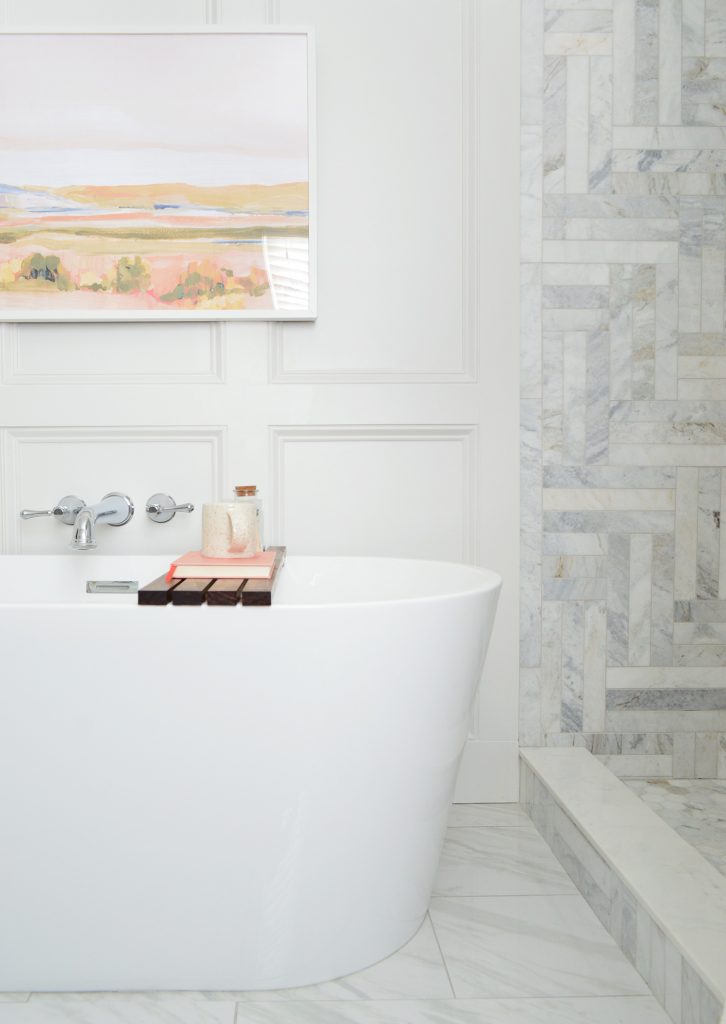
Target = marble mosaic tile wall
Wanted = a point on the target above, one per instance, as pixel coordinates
(624, 382)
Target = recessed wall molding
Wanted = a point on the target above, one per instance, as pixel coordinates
(15, 442)
(463, 436)
(466, 368)
(16, 367)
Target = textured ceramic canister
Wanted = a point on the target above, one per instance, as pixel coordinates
(233, 529)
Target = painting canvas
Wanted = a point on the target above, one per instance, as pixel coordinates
(156, 176)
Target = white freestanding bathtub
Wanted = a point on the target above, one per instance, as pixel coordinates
(227, 798)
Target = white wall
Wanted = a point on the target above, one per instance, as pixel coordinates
(388, 426)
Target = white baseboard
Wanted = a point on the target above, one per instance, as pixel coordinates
(489, 773)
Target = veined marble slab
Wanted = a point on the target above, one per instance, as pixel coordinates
(499, 862)
(539, 945)
(682, 892)
(695, 808)
(618, 1010)
(488, 816)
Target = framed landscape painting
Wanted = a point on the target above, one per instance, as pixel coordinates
(157, 175)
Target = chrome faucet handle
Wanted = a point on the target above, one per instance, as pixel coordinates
(64, 510)
(160, 508)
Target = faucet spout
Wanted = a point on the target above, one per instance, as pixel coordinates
(84, 529)
(114, 509)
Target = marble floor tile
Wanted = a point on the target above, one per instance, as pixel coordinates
(619, 1010)
(509, 946)
(117, 1008)
(416, 971)
(694, 808)
(485, 815)
(499, 862)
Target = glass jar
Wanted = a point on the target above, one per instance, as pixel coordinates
(246, 494)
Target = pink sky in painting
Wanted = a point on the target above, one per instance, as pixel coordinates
(206, 109)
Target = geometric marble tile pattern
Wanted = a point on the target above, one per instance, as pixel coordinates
(695, 808)
(491, 957)
(623, 382)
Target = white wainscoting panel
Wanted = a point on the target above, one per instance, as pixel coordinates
(405, 258)
(119, 354)
(42, 464)
(83, 15)
(406, 491)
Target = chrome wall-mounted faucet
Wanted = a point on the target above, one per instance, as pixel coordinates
(114, 509)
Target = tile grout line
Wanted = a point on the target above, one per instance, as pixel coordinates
(441, 953)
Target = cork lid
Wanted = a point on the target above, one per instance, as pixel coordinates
(245, 490)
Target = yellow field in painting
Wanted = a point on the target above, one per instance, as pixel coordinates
(155, 247)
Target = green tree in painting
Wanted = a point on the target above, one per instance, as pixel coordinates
(132, 275)
(44, 267)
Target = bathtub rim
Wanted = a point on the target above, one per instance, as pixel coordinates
(491, 583)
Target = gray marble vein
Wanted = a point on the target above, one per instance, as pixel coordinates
(689, 265)
(695, 808)
(704, 90)
(646, 62)
(416, 972)
(709, 522)
(714, 265)
(608, 522)
(697, 412)
(531, 334)
(530, 699)
(613, 1010)
(597, 390)
(552, 369)
(622, 477)
(118, 1008)
(611, 206)
(554, 543)
(666, 331)
(713, 344)
(700, 611)
(621, 332)
(618, 599)
(530, 605)
(668, 184)
(573, 395)
(568, 567)
(540, 945)
(498, 862)
(686, 700)
(551, 690)
(600, 125)
(554, 123)
(662, 605)
(573, 659)
(488, 816)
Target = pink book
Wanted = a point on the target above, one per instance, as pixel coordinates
(195, 565)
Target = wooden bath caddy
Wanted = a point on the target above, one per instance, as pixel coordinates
(217, 593)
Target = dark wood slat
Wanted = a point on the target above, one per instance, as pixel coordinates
(191, 592)
(259, 592)
(225, 592)
(158, 592)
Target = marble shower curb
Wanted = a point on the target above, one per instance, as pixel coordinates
(661, 901)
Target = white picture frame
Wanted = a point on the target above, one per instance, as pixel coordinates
(238, 249)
